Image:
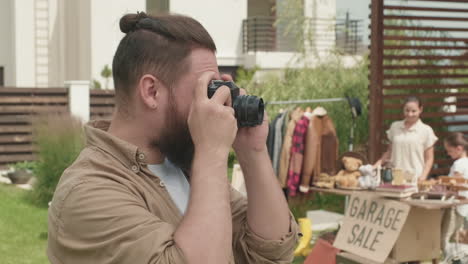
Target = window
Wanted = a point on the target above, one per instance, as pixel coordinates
(2, 77)
(157, 6)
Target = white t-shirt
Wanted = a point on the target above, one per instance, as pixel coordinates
(408, 145)
(461, 166)
(175, 182)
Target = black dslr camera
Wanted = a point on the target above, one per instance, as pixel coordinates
(248, 108)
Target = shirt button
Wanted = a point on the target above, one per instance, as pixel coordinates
(135, 168)
(141, 156)
(161, 183)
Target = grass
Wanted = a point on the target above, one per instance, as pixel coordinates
(23, 228)
(298, 260)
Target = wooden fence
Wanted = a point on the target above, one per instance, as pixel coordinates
(101, 104)
(419, 49)
(18, 106)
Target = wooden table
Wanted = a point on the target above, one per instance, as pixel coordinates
(421, 234)
(426, 204)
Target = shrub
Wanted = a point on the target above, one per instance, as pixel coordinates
(59, 138)
(30, 166)
(328, 80)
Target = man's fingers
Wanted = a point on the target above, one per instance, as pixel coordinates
(242, 91)
(201, 91)
(231, 111)
(226, 77)
(265, 116)
(222, 96)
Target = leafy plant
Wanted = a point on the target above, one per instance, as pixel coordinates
(330, 79)
(245, 76)
(232, 159)
(106, 73)
(96, 85)
(25, 165)
(59, 138)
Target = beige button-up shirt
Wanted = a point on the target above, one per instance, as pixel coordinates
(408, 145)
(109, 208)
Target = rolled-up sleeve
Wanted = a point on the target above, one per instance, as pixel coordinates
(251, 248)
(104, 223)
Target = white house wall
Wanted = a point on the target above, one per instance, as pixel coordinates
(56, 43)
(24, 52)
(77, 39)
(223, 20)
(323, 28)
(84, 34)
(105, 31)
(7, 42)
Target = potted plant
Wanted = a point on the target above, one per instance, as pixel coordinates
(21, 172)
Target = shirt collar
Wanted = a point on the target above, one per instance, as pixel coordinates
(413, 127)
(97, 136)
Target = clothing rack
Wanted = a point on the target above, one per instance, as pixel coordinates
(354, 104)
(324, 100)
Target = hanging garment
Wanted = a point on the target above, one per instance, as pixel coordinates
(271, 136)
(297, 155)
(311, 165)
(287, 117)
(321, 150)
(278, 142)
(286, 149)
(329, 147)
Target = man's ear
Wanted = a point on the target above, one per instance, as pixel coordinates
(148, 89)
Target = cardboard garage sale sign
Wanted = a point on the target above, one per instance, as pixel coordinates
(371, 226)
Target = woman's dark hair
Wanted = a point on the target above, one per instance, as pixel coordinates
(158, 45)
(456, 139)
(413, 99)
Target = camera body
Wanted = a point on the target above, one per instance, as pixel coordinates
(248, 109)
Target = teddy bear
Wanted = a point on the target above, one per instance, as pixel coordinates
(349, 176)
(370, 176)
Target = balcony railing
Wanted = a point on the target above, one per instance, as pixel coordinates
(261, 34)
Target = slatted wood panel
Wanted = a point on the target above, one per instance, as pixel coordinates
(419, 48)
(18, 106)
(102, 104)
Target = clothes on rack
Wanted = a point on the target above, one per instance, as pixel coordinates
(308, 147)
(297, 154)
(271, 136)
(278, 141)
(321, 152)
(286, 148)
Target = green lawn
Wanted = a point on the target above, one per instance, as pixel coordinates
(23, 228)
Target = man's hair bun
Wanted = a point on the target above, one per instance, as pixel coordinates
(128, 23)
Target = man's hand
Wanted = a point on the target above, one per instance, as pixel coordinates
(211, 121)
(250, 139)
(267, 209)
(213, 128)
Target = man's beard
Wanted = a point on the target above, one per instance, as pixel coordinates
(175, 141)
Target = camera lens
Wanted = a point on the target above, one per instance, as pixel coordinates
(249, 110)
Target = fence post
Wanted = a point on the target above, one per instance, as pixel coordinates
(78, 99)
(376, 81)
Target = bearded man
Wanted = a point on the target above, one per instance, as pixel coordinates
(151, 184)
